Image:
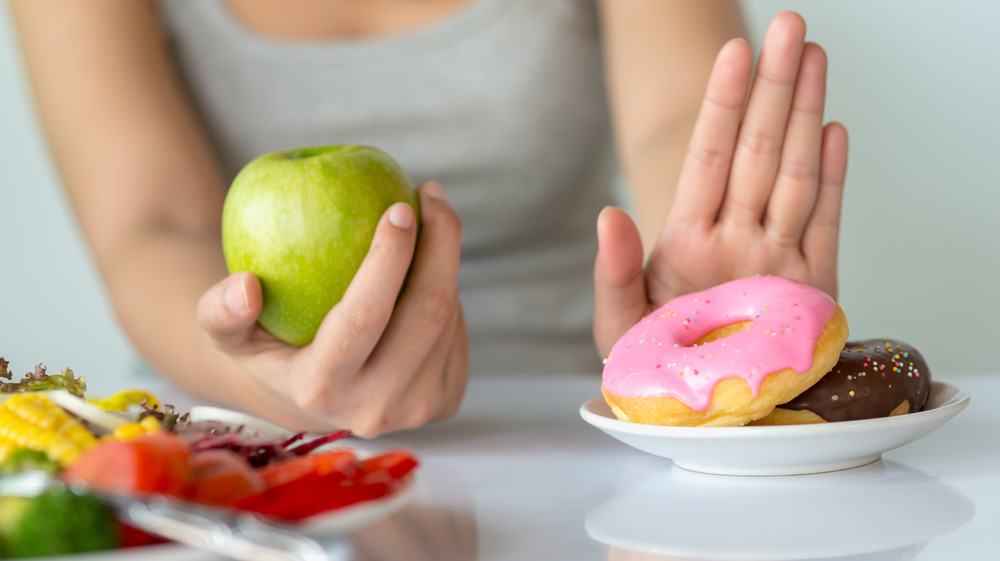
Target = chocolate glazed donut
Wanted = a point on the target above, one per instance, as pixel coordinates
(874, 378)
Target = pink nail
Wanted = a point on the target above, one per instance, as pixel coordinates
(401, 216)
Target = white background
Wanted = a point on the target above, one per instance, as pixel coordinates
(916, 83)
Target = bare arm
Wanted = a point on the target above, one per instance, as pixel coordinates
(137, 169)
(659, 54)
(148, 196)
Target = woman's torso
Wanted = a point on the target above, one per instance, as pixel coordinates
(501, 101)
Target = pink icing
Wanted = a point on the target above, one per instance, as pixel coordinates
(656, 357)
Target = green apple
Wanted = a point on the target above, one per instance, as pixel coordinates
(303, 220)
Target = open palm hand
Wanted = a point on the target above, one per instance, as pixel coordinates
(760, 191)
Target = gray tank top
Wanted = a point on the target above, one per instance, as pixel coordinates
(504, 104)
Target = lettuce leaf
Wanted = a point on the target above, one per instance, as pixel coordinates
(40, 380)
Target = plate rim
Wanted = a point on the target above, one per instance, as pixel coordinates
(956, 403)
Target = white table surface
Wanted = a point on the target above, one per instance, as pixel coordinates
(518, 475)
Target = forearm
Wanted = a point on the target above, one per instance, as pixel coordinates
(658, 55)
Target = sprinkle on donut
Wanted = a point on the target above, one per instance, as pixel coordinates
(874, 378)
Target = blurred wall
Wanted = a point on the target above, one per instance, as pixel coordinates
(916, 84)
(914, 81)
(53, 308)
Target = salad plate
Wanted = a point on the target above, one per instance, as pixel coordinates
(195, 529)
(324, 536)
(780, 450)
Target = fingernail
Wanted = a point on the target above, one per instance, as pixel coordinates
(401, 216)
(236, 298)
(434, 190)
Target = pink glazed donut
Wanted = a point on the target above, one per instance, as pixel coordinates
(725, 356)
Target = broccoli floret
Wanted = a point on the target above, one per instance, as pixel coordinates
(58, 521)
(25, 460)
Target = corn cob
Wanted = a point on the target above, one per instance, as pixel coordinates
(33, 421)
(147, 425)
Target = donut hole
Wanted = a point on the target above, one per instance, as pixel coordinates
(722, 332)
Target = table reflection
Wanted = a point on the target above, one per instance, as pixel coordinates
(902, 554)
(880, 512)
(438, 525)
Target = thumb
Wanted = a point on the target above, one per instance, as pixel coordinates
(228, 311)
(619, 285)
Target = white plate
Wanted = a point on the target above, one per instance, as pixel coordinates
(237, 419)
(780, 450)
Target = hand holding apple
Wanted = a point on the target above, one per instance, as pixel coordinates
(386, 357)
(302, 221)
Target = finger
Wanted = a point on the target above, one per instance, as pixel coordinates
(820, 240)
(758, 148)
(228, 311)
(434, 391)
(619, 287)
(702, 182)
(795, 188)
(456, 369)
(352, 328)
(430, 298)
(424, 397)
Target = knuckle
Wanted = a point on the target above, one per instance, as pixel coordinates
(776, 78)
(783, 238)
(387, 247)
(203, 314)
(420, 414)
(373, 425)
(799, 172)
(437, 304)
(367, 422)
(450, 409)
(361, 319)
(314, 399)
(758, 142)
(708, 157)
(449, 219)
(744, 214)
(373, 416)
(208, 312)
(313, 402)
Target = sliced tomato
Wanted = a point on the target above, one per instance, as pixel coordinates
(155, 463)
(327, 498)
(309, 485)
(222, 477)
(285, 471)
(296, 484)
(313, 494)
(394, 463)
